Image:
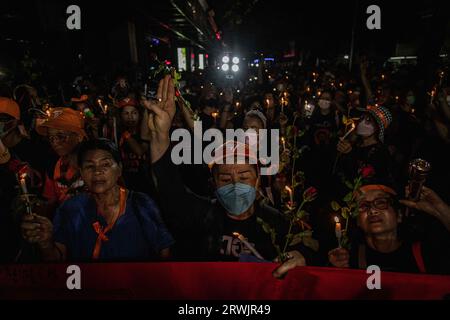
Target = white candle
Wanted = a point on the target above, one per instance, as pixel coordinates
(338, 230)
(248, 245)
(291, 195)
(23, 183)
(349, 131)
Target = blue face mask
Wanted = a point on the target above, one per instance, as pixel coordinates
(236, 198)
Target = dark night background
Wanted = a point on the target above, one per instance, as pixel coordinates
(315, 28)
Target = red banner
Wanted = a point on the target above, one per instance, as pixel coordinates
(210, 281)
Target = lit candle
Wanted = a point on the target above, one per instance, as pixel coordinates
(349, 131)
(283, 141)
(338, 230)
(267, 103)
(382, 77)
(291, 195)
(215, 115)
(248, 245)
(23, 183)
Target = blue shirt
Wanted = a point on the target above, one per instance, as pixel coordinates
(138, 234)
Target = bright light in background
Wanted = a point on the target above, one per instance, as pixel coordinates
(201, 61)
(235, 60)
(225, 67)
(226, 59)
(235, 68)
(181, 58)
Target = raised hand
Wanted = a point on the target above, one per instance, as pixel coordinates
(160, 117)
(429, 202)
(162, 111)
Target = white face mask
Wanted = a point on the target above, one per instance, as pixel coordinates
(324, 104)
(365, 129)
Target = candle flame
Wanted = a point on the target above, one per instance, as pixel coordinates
(336, 219)
(23, 175)
(288, 189)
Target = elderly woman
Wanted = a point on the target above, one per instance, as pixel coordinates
(108, 222)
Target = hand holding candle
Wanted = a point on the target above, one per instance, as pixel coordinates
(248, 245)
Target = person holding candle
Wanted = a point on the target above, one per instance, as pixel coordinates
(386, 243)
(23, 161)
(107, 222)
(367, 147)
(207, 226)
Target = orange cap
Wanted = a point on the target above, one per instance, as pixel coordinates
(63, 119)
(9, 107)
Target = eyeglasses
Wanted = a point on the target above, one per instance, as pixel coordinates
(380, 204)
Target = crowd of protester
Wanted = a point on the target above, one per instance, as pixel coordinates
(92, 178)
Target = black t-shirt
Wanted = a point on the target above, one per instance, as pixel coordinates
(400, 260)
(323, 129)
(254, 234)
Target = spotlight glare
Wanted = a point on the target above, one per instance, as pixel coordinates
(225, 59)
(235, 60)
(225, 67)
(235, 68)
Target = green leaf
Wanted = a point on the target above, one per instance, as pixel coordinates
(348, 197)
(335, 206)
(348, 184)
(301, 214)
(345, 213)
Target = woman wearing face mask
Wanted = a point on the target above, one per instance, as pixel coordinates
(205, 227)
(368, 148)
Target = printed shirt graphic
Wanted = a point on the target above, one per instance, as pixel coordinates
(254, 235)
